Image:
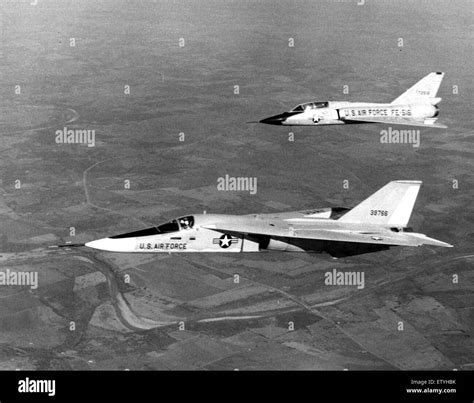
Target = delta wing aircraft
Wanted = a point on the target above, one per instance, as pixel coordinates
(415, 107)
(377, 223)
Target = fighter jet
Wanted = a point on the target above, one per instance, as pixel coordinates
(415, 107)
(377, 223)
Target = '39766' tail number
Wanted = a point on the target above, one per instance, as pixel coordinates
(383, 213)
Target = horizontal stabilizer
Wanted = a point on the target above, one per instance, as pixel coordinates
(424, 240)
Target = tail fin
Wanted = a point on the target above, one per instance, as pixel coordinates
(390, 206)
(424, 90)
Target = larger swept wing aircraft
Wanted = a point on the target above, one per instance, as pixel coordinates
(377, 223)
(415, 107)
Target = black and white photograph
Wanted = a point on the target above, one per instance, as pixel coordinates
(223, 186)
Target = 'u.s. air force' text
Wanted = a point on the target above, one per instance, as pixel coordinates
(162, 245)
(377, 112)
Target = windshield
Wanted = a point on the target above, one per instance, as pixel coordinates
(171, 226)
(311, 105)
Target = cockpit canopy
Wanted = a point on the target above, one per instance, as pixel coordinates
(186, 222)
(171, 226)
(311, 105)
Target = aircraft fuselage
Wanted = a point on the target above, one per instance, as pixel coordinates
(313, 114)
(204, 235)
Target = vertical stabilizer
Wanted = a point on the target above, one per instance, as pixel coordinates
(390, 206)
(424, 91)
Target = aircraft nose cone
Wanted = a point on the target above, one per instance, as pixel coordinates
(113, 245)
